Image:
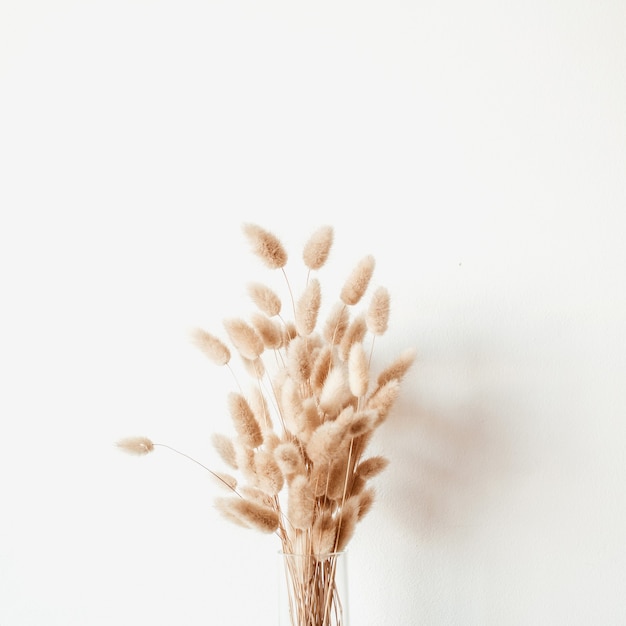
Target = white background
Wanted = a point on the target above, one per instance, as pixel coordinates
(477, 150)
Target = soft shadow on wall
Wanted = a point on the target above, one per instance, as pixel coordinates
(447, 453)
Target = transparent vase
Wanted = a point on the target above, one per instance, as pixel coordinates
(313, 589)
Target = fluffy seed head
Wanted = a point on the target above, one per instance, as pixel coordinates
(225, 447)
(243, 418)
(358, 370)
(354, 334)
(268, 330)
(265, 299)
(136, 445)
(266, 246)
(317, 248)
(356, 284)
(398, 368)
(248, 513)
(211, 346)
(301, 504)
(307, 308)
(336, 324)
(289, 459)
(244, 338)
(377, 317)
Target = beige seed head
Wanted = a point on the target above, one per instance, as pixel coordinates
(317, 248)
(323, 445)
(299, 360)
(269, 474)
(321, 368)
(225, 481)
(384, 398)
(307, 308)
(366, 500)
(289, 332)
(268, 330)
(334, 391)
(257, 495)
(323, 533)
(337, 478)
(259, 406)
(372, 466)
(265, 299)
(358, 370)
(254, 369)
(289, 459)
(336, 324)
(244, 338)
(377, 317)
(266, 246)
(248, 513)
(348, 522)
(244, 421)
(135, 445)
(301, 503)
(354, 334)
(225, 447)
(211, 346)
(358, 281)
(398, 368)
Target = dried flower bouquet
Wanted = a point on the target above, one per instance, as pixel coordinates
(297, 461)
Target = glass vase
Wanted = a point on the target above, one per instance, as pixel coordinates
(313, 589)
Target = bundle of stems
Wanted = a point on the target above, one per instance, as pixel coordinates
(297, 462)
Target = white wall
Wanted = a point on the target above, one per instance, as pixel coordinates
(476, 149)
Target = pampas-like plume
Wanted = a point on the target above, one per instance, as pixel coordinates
(254, 368)
(307, 308)
(258, 404)
(377, 317)
(336, 324)
(365, 501)
(136, 445)
(211, 346)
(337, 477)
(383, 399)
(317, 248)
(266, 246)
(244, 338)
(299, 360)
(248, 513)
(268, 330)
(323, 445)
(348, 521)
(289, 333)
(225, 447)
(265, 299)
(309, 419)
(355, 333)
(358, 370)
(243, 418)
(225, 481)
(334, 391)
(324, 533)
(398, 368)
(321, 368)
(289, 459)
(301, 503)
(257, 495)
(358, 281)
(372, 466)
(270, 476)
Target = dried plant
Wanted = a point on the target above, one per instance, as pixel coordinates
(301, 433)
